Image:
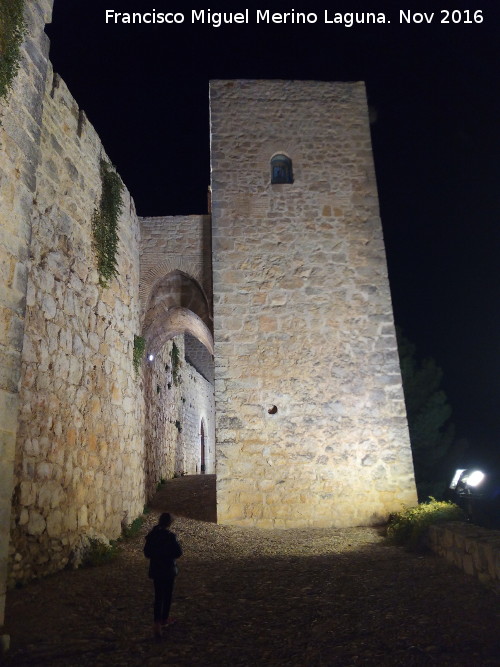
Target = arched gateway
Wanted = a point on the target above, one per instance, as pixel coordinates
(178, 367)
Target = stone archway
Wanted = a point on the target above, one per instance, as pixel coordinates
(178, 390)
(177, 289)
(171, 322)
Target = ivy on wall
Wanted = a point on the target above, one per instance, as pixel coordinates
(105, 223)
(176, 364)
(12, 29)
(139, 347)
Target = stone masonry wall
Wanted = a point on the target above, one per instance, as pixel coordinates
(197, 405)
(311, 425)
(20, 118)
(175, 405)
(473, 549)
(79, 455)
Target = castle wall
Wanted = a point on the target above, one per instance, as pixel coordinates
(20, 116)
(176, 402)
(79, 465)
(311, 425)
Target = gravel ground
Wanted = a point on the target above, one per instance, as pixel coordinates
(309, 597)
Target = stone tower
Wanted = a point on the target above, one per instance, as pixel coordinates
(310, 418)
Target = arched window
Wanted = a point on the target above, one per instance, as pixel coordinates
(281, 169)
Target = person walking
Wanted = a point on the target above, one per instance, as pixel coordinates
(162, 549)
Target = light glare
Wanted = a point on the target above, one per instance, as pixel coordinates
(456, 477)
(475, 478)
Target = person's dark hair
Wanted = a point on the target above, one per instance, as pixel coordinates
(165, 520)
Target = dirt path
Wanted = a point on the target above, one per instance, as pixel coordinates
(312, 597)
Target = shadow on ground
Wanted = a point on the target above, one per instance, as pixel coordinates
(191, 496)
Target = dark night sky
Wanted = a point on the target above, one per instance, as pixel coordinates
(435, 91)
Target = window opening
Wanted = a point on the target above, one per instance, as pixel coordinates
(281, 169)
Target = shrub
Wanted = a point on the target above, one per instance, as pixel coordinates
(409, 527)
(97, 552)
(131, 531)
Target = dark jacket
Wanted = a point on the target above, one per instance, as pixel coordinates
(162, 549)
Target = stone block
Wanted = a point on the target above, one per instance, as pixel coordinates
(54, 523)
(83, 516)
(70, 520)
(36, 523)
(27, 493)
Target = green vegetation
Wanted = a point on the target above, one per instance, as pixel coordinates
(139, 348)
(176, 364)
(431, 433)
(131, 531)
(98, 553)
(12, 30)
(409, 527)
(105, 224)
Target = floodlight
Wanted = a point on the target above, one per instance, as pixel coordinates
(474, 478)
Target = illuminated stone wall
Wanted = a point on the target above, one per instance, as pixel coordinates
(176, 403)
(74, 460)
(311, 426)
(19, 157)
(79, 466)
